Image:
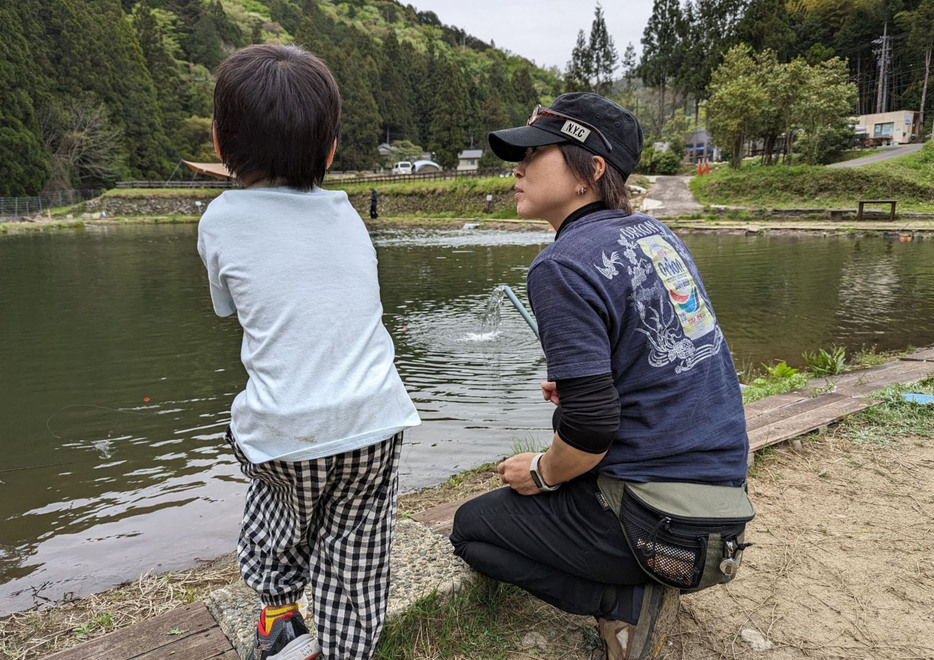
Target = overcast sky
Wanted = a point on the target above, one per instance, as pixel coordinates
(541, 30)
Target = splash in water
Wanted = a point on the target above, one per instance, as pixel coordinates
(490, 320)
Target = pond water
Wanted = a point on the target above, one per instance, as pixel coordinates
(116, 378)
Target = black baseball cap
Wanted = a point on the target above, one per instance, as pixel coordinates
(588, 120)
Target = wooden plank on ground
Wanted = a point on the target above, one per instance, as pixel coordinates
(924, 354)
(867, 382)
(791, 410)
(188, 632)
(770, 403)
(812, 419)
(836, 383)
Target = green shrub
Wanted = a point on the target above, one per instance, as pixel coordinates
(659, 162)
(777, 380)
(823, 363)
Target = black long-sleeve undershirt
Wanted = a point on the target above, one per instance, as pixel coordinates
(588, 417)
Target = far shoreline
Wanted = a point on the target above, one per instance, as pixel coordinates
(768, 222)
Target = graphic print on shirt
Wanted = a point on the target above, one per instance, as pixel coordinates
(675, 316)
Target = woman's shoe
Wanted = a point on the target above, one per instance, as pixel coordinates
(646, 639)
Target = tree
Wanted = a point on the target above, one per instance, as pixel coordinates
(921, 37)
(593, 61)
(603, 56)
(360, 120)
(736, 98)
(629, 64)
(84, 143)
(395, 98)
(23, 168)
(157, 39)
(580, 66)
(824, 102)
(661, 49)
(447, 132)
(756, 96)
(767, 24)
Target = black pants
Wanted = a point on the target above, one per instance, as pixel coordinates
(563, 547)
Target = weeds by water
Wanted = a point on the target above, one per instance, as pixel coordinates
(777, 379)
(826, 363)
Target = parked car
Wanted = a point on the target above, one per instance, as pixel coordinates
(403, 167)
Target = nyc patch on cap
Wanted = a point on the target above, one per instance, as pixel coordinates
(575, 131)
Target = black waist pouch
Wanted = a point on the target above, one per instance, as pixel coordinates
(687, 536)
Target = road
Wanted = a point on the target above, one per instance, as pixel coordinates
(891, 152)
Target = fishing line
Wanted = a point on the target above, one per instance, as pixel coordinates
(89, 405)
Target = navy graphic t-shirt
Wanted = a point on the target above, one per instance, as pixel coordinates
(621, 294)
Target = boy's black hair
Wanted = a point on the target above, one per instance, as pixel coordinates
(277, 113)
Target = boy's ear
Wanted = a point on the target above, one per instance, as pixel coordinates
(330, 160)
(217, 148)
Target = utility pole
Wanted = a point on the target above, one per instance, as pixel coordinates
(884, 51)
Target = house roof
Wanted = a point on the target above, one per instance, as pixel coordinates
(217, 170)
(470, 153)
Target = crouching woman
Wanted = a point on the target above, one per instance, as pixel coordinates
(640, 495)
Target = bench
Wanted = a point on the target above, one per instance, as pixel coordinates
(890, 202)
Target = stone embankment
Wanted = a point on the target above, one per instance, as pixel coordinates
(118, 205)
(443, 202)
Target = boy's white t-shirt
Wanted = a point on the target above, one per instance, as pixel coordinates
(299, 270)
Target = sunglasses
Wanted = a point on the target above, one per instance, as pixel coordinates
(540, 111)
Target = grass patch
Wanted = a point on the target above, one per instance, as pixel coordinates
(777, 379)
(869, 357)
(164, 193)
(471, 186)
(893, 417)
(909, 179)
(483, 619)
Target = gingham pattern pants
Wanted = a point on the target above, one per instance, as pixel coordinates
(328, 522)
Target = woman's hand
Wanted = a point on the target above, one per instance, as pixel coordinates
(515, 473)
(550, 392)
(561, 463)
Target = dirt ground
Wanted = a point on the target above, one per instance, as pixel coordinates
(842, 566)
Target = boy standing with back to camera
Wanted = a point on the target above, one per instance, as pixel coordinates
(318, 427)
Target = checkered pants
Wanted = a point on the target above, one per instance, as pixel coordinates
(326, 521)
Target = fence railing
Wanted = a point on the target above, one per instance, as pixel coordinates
(212, 183)
(16, 207)
(418, 176)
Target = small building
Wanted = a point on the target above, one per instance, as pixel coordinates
(884, 128)
(469, 160)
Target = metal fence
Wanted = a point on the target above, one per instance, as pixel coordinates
(348, 177)
(16, 207)
(331, 177)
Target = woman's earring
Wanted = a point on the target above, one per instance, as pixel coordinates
(582, 190)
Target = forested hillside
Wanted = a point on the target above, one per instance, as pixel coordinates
(100, 90)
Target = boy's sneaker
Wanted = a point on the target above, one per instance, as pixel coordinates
(287, 639)
(646, 639)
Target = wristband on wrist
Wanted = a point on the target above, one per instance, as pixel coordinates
(537, 477)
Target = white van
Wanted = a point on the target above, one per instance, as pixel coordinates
(402, 167)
